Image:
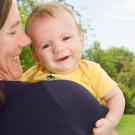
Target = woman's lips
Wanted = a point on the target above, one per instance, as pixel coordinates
(16, 57)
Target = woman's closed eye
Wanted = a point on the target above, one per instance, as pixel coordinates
(12, 33)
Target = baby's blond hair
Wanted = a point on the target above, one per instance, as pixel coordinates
(49, 9)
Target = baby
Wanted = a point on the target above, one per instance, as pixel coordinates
(57, 43)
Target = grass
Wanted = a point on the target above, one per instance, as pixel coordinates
(127, 125)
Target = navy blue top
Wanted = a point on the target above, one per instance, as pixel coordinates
(48, 108)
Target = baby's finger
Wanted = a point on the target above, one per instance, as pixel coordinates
(96, 131)
(99, 122)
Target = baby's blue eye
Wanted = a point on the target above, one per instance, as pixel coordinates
(46, 46)
(66, 38)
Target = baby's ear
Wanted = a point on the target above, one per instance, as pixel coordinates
(82, 38)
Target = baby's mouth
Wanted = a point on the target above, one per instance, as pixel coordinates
(63, 58)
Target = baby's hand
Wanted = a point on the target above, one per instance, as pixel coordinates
(103, 127)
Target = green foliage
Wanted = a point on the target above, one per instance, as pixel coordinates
(26, 59)
(130, 101)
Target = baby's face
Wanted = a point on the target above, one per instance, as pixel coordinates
(57, 42)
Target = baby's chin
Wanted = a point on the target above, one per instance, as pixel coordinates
(62, 71)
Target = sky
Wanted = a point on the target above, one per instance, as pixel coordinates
(112, 22)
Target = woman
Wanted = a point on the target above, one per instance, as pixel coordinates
(12, 40)
(38, 108)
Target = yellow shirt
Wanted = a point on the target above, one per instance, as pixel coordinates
(89, 74)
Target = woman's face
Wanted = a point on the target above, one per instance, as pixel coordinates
(12, 40)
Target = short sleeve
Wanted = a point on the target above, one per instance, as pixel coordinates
(101, 83)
